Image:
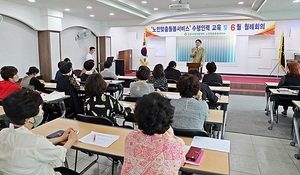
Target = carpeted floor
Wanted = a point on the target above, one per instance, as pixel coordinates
(246, 114)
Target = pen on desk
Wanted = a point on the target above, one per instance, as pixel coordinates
(94, 139)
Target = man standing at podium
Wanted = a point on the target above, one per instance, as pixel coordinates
(198, 53)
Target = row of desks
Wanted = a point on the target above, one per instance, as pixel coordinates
(213, 162)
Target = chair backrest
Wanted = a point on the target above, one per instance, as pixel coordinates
(77, 72)
(171, 81)
(131, 99)
(94, 119)
(108, 78)
(213, 84)
(189, 132)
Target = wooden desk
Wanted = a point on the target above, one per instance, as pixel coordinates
(213, 162)
(221, 89)
(127, 80)
(215, 116)
(267, 94)
(126, 77)
(275, 92)
(50, 85)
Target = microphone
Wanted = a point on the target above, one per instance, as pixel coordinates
(197, 49)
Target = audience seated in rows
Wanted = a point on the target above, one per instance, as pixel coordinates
(10, 78)
(158, 79)
(171, 71)
(162, 152)
(141, 87)
(89, 69)
(107, 73)
(22, 151)
(211, 77)
(68, 84)
(190, 110)
(31, 82)
(98, 103)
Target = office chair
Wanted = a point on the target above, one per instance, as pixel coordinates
(171, 81)
(130, 117)
(190, 132)
(113, 88)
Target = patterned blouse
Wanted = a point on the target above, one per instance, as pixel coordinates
(158, 154)
(104, 105)
(160, 83)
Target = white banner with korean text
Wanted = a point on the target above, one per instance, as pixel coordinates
(224, 28)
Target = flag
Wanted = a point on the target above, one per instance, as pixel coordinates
(143, 59)
(281, 57)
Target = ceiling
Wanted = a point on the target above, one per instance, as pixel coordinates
(134, 12)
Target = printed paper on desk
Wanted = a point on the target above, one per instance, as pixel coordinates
(173, 96)
(53, 96)
(99, 139)
(212, 144)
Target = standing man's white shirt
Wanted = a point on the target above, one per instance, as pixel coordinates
(89, 57)
(91, 54)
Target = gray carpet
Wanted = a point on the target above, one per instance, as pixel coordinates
(246, 114)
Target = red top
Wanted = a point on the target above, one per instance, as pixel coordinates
(7, 87)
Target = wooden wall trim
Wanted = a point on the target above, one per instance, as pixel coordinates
(45, 55)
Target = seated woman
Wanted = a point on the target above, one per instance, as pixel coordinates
(204, 88)
(190, 110)
(141, 87)
(31, 82)
(58, 73)
(89, 69)
(158, 79)
(292, 78)
(68, 84)
(211, 77)
(9, 83)
(171, 71)
(22, 151)
(98, 103)
(162, 153)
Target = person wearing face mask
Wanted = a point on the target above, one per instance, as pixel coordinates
(31, 82)
(198, 54)
(68, 84)
(22, 151)
(10, 77)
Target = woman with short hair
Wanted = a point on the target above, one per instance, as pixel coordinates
(153, 149)
(158, 79)
(98, 103)
(141, 87)
(22, 151)
(30, 81)
(212, 76)
(190, 110)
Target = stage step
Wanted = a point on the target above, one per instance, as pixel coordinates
(247, 89)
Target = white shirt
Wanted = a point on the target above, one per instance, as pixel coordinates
(23, 152)
(89, 57)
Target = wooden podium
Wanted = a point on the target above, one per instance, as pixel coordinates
(192, 66)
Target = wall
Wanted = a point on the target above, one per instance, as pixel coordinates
(18, 45)
(75, 50)
(254, 54)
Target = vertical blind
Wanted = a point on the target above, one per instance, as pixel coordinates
(217, 48)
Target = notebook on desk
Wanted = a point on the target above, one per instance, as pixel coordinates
(193, 155)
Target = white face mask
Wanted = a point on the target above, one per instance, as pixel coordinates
(16, 78)
(37, 120)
